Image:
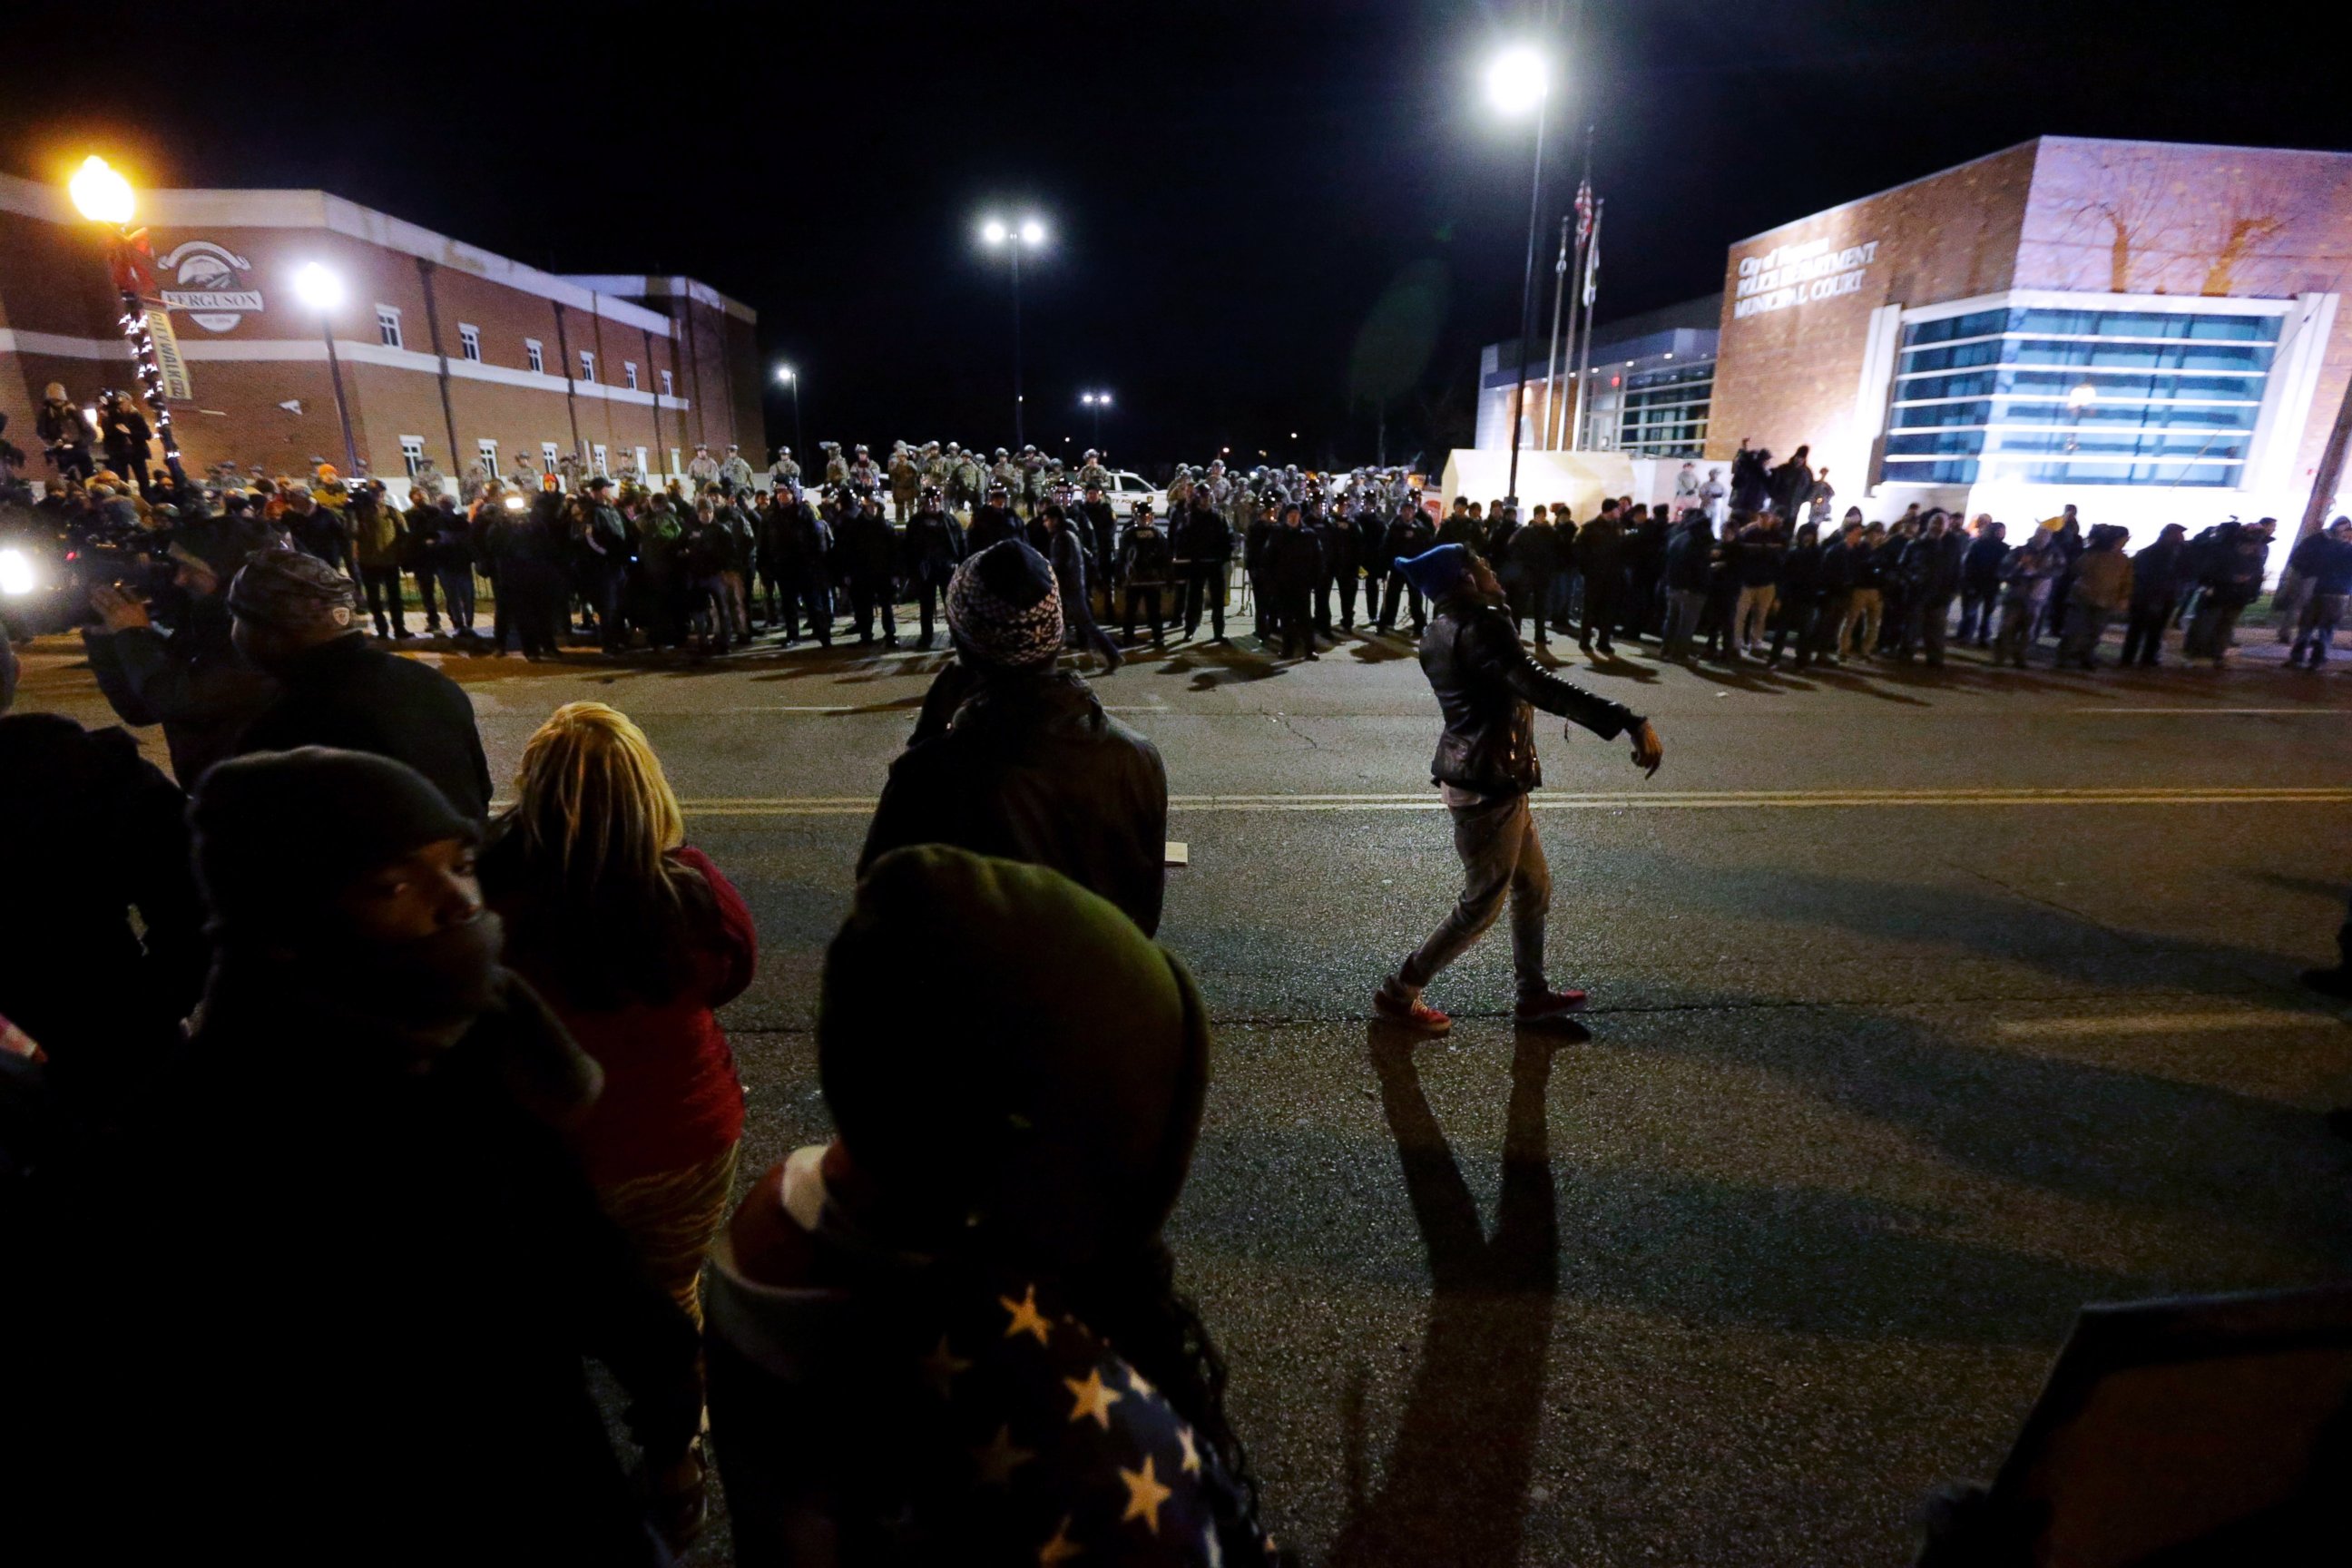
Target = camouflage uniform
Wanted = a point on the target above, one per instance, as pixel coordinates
(904, 480)
(837, 467)
(783, 471)
(702, 469)
(736, 471)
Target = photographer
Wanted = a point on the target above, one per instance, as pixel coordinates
(65, 434)
(125, 433)
(189, 679)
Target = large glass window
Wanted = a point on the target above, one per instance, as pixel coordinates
(1663, 412)
(2088, 396)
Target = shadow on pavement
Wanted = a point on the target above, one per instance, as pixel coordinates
(1455, 1486)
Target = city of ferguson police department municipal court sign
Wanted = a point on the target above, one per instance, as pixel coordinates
(212, 284)
(1792, 275)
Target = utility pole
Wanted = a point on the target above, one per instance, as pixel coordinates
(2330, 472)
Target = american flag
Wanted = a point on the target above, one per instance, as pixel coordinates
(1584, 211)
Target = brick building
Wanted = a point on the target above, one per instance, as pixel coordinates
(446, 350)
(2150, 331)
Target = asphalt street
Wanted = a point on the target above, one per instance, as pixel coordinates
(1927, 1006)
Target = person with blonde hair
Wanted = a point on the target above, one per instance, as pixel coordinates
(633, 937)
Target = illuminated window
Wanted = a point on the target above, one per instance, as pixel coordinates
(629, 373)
(488, 452)
(667, 391)
(2087, 395)
(547, 454)
(587, 366)
(412, 453)
(469, 342)
(531, 352)
(387, 326)
(597, 452)
(641, 459)
(1663, 412)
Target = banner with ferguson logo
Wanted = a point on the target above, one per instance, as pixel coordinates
(210, 283)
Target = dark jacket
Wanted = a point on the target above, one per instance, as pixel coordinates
(934, 543)
(1409, 534)
(352, 694)
(1461, 528)
(1031, 768)
(445, 1265)
(1980, 566)
(992, 525)
(1756, 555)
(1800, 574)
(1688, 556)
(1939, 563)
(2327, 561)
(869, 549)
(1600, 548)
(1536, 554)
(1294, 558)
(1144, 555)
(126, 437)
(1489, 690)
(91, 832)
(1066, 549)
(2157, 572)
(1200, 534)
(191, 680)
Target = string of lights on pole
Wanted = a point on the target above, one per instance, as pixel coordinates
(101, 195)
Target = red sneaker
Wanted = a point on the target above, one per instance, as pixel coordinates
(1416, 1014)
(1540, 1004)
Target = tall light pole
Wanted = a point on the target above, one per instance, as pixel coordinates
(792, 378)
(1028, 234)
(1518, 80)
(321, 290)
(102, 196)
(1095, 401)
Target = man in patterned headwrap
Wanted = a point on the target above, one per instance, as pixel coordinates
(1015, 758)
(295, 618)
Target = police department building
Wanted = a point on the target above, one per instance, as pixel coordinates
(447, 352)
(2151, 330)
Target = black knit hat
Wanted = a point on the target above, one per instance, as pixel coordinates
(279, 833)
(1043, 1084)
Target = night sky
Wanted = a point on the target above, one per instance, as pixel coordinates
(1264, 216)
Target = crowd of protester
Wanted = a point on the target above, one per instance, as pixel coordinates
(358, 1110)
(360, 1113)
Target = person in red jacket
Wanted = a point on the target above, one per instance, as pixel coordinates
(633, 937)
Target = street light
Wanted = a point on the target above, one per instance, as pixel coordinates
(100, 194)
(1519, 80)
(322, 290)
(1029, 235)
(1095, 401)
(792, 378)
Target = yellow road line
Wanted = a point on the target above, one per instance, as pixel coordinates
(2161, 1023)
(1629, 800)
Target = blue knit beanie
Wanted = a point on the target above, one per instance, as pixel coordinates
(1437, 573)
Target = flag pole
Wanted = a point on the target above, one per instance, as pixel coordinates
(1591, 280)
(1551, 359)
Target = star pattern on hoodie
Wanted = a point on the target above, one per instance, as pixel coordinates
(1026, 1319)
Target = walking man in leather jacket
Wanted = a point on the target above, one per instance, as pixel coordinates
(1488, 689)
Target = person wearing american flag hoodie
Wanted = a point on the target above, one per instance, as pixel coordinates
(951, 1334)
